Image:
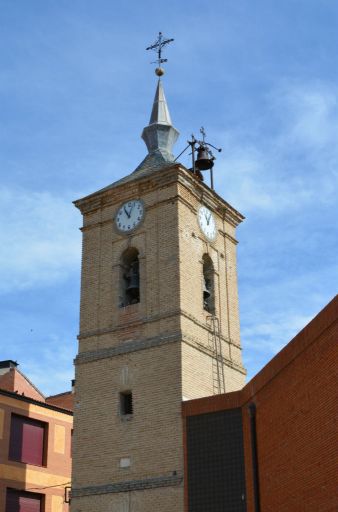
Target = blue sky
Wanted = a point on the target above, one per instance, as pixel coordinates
(76, 88)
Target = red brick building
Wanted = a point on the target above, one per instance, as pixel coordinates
(273, 445)
(35, 445)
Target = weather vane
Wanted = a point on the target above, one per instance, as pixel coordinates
(157, 47)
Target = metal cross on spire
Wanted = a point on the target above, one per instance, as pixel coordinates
(158, 47)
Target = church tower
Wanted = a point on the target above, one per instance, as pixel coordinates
(159, 324)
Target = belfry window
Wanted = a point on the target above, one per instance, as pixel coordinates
(130, 282)
(208, 285)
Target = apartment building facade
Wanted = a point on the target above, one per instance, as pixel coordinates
(35, 445)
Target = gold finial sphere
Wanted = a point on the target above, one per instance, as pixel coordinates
(159, 71)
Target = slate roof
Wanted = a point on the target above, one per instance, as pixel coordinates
(153, 162)
(159, 136)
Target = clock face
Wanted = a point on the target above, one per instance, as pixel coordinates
(129, 215)
(207, 223)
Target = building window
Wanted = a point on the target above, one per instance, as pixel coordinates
(208, 284)
(27, 440)
(126, 403)
(21, 501)
(130, 278)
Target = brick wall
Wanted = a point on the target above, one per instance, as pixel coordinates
(159, 348)
(296, 405)
(63, 400)
(14, 380)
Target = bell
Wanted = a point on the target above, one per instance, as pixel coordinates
(203, 160)
(133, 282)
(206, 292)
(206, 296)
(133, 286)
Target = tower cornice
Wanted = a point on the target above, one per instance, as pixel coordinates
(168, 175)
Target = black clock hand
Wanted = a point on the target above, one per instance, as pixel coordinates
(128, 214)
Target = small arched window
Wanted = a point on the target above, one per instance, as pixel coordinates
(130, 277)
(208, 284)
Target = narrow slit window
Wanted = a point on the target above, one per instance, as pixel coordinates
(126, 403)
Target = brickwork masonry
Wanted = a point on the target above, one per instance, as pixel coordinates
(158, 349)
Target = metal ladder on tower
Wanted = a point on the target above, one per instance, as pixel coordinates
(218, 379)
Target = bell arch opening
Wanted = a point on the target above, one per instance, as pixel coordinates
(130, 277)
(208, 284)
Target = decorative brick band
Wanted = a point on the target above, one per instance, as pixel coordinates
(129, 346)
(128, 485)
(154, 318)
(135, 345)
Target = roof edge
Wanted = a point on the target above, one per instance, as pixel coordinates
(59, 394)
(30, 383)
(320, 323)
(204, 188)
(35, 402)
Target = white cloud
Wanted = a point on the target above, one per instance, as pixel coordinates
(40, 243)
(266, 333)
(271, 334)
(55, 353)
(310, 112)
(294, 161)
(278, 304)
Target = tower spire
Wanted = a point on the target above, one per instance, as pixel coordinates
(160, 135)
(160, 112)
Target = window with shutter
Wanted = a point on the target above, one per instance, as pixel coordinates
(27, 440)
(20, 501)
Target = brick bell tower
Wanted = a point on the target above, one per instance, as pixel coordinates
(159, 324)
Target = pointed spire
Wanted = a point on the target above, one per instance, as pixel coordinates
(160, 111)
(160, 135)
